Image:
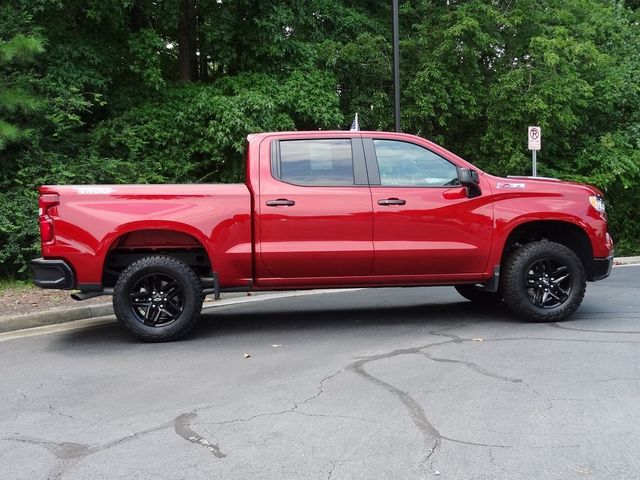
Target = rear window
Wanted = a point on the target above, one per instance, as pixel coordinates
(315, 162)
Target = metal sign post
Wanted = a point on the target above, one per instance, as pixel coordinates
(535, 144)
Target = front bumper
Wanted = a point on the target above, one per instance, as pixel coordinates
(601, 268)
(52, 274)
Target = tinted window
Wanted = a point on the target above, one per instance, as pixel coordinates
(408, 165)
(316, 162)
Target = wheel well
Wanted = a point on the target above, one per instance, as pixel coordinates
(565, 233)
(133, 246)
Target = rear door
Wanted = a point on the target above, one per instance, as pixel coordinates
(315, 213)
(424, 224)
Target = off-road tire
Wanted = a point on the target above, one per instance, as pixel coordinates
(190, 298)
(518, 289)
(478, 295)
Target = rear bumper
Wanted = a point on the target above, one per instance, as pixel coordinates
(52, 274)
(601, 268)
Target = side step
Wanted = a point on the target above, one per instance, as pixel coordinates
(87, 295)
(209, 285)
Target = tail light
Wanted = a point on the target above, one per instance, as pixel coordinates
(45, 203)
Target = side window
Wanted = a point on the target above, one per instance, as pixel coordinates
(405, 164)
(315, 162)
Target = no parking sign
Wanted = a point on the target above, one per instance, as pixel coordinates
(535, 138)
(535, 143)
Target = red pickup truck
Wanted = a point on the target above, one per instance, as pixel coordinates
(321, 210)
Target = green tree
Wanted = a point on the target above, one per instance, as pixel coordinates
(167, 90)
(14, 97)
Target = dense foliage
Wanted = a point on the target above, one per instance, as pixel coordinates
(111, 91)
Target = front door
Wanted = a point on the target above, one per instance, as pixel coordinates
(424, 224)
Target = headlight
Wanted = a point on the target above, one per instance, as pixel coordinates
(597, 202)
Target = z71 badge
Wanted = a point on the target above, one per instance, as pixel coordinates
(510, 185)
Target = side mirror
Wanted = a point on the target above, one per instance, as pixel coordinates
(470, 179)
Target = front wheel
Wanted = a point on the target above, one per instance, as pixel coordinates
(543, 281)
(158, 298)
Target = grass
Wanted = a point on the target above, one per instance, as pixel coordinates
(6, 284)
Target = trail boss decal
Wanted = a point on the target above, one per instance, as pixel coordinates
(95, 190)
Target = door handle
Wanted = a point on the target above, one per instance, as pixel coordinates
(391, 201)
(281, 202)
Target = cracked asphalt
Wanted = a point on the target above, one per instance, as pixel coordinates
(409, 383)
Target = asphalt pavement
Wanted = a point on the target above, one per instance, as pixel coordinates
(409, 383)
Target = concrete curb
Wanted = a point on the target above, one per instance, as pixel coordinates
(51, 317)
(11, 323)
(626, 260)
(63, 315)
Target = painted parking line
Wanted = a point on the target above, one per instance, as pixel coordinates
(111, 319)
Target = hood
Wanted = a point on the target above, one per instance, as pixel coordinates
(518, 182)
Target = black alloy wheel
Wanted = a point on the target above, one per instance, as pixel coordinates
(548, 283)
(158, 298)
(543, 281)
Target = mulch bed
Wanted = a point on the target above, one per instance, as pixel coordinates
(25, 299)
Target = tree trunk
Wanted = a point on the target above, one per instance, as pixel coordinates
(202, 48)
(137, 19)
(186, 45)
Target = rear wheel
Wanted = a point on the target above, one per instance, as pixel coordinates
(543, 281)
(158, 298)
(478, 295)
